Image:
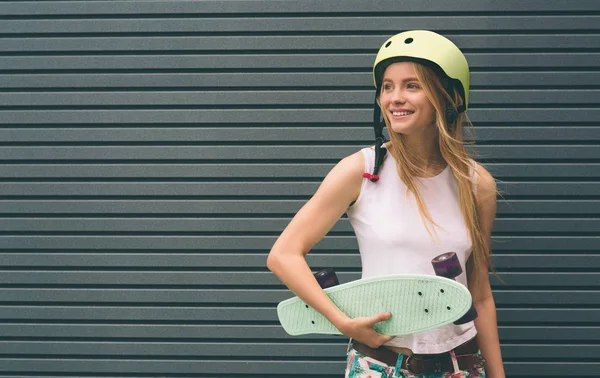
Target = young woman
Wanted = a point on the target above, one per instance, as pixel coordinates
(410, 199)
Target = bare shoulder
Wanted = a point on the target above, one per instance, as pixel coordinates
(345, 177)
(485, 177)
(486, 183)
(352, 165)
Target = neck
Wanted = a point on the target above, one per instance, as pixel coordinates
(424, 151)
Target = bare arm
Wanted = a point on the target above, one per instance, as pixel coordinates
(486, 323)
(287, 257)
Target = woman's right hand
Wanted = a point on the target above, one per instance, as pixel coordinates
(363, 329)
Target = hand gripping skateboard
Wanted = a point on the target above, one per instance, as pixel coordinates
(419, 302)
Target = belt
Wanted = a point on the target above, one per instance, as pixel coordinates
(467, 357)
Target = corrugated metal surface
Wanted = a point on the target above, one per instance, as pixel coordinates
(151, 152)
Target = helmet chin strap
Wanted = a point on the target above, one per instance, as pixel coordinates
(378, 124)
(380, 151)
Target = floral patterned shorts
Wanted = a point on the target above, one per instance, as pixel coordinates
(361, 366)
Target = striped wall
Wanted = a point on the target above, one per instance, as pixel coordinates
(152, 151)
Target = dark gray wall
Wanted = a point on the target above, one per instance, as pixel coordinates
(151, 152)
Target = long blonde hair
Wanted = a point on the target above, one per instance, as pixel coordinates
(452, 149)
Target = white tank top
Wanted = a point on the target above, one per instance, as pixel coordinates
(392, 239)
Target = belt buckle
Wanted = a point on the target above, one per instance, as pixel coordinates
(408, 365)
(480, 361)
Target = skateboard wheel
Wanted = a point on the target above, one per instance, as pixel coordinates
(446, 265)
(326, 278)
(468, 316)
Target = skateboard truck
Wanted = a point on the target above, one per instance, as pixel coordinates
(447, 265)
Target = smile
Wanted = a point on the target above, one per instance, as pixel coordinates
(405, 113)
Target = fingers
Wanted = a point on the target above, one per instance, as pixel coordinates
(363, 330)
(379, 339)
(380, 317)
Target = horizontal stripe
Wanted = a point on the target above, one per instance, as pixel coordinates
(211, 349)
(250, 225)
(252, 332)
(249, 279)
(277, 153)
(260, 7)
(251, 261)
(288, 98)
(231, 170)
(243, 189)
(199, 297)
(264, 243)
(219, 62)
(514, 78)
(275, 116)
(128, 208)
(292, 134)
(356, 24)
(330, 43)
(250, 315)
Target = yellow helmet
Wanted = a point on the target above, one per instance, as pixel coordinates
(429, 48)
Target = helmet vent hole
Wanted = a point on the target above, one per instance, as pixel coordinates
(408, 40)
(388, 44)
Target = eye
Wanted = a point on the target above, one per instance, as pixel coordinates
(412, 86)
(387, 87)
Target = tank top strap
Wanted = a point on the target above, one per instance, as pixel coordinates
(369, 155)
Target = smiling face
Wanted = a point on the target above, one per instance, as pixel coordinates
(404, 102)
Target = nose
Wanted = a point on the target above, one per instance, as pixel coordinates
(398, 96)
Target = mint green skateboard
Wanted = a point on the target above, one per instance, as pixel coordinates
(417, 303)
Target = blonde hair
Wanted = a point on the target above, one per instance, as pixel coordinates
(452, 149)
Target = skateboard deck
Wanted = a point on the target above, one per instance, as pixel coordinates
(417, 303)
